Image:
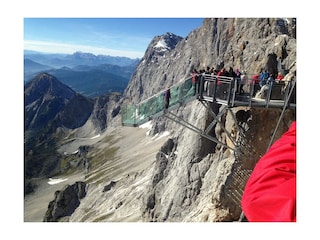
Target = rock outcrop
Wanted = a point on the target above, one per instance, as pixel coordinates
(65, 202)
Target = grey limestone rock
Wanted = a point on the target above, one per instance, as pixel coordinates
(65, 202)
(204, 181)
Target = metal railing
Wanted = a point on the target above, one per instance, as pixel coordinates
(226, 90)
(220, 89)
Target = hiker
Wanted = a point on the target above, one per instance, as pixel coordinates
(270, 192)
(270, 79)
(243, 81)
(222, 72)
(255, 84)
(195, 81)
(263, 78)
(231, 73)
(279, 77)
(255, 79)
(167, 96)
(220, 88)
(238, 79)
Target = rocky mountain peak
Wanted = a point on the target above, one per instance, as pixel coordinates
(160, 47)
(47, 100)
(46, 86)
(165, 42)
(159, 50)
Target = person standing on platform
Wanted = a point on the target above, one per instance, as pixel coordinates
(279, 77)
(167, 96)
(195, 81)
(243, 82)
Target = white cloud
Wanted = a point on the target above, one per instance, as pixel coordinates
(54, 47)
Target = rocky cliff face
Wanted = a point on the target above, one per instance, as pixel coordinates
(193, 179)
(244, 43)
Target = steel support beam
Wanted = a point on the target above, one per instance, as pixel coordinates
(192, 127)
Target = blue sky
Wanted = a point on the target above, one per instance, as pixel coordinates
(109, 36)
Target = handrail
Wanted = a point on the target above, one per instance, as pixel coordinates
(158, 94)
(213, 88)
(152, 106)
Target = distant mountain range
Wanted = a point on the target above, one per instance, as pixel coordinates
(78, 58)
(85, 73)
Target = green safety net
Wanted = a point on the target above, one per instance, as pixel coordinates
(134, 115)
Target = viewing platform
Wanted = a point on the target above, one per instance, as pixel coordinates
(218, 89)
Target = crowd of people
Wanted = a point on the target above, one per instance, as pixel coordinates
(260, 81)
(264, 78)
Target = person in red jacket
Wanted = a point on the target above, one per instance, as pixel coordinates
(195, 81)
(255, 79)
(279, 77)
(270, 193)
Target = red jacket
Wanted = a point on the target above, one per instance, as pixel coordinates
(270, 193)
(255, 79)
(194, 77)
(220, 73)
